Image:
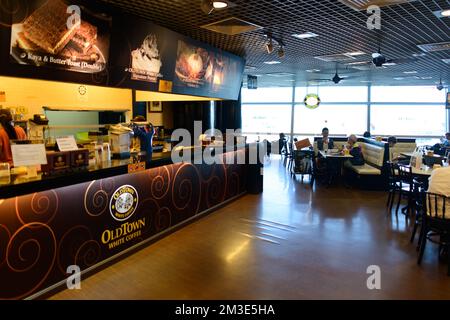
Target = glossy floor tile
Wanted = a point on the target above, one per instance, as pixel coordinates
(291, 242)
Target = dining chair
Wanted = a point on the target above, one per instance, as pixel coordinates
(394, 184)
(436, 218)
(406, 187)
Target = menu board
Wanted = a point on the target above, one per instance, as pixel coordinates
(142, 54)
(88, 42)
(60, 35)
(201, 70)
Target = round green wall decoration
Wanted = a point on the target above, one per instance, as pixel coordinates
(312, 101)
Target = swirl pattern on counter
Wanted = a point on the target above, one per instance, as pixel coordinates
(38, 207)
(163, 219)
(160, 180)
(31, 255)
(69, 245)
(5, 235)
(95, 199)
(216, 185)
(186, 188)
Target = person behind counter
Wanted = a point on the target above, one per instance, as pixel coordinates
(8, 132)
(145, 135)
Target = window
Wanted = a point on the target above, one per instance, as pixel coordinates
(408, 120)
(408, 94)
(340, 119)
(334, 94)
(265, 95)
(266, 118)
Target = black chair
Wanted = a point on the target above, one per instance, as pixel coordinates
(406, 187)
(303, 161)
(394, 184)
(435, 219)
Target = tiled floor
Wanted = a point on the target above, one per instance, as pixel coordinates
(291, 242)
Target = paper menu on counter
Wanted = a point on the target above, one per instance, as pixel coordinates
(28, 154)
(67, 143)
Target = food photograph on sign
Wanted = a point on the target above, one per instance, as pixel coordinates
(146, 61)
(197, 66)
(60, 35)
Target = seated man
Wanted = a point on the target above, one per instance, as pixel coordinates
(325, 142)
(367, 134)
(282, 144)
(355, 150)
(441, 148)
(446, 142)
(439, 183)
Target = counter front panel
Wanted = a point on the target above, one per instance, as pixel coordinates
(44, 233)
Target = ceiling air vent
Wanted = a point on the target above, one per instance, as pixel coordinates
(360, 5)
(431, 47)
(231, 26)
(336, 58)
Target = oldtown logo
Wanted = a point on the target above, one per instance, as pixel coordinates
(123, 203)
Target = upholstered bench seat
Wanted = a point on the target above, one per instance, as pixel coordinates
(366, 169)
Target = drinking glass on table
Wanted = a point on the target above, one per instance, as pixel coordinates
(5, 174)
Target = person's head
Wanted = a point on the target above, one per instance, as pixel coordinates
(447, 136)
(392, 141)
(282, 135)
(367, 134)
(325, 132)
(6, 122)
(352, 139)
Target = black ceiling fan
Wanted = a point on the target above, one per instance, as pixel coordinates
(440, 86)
(336, 79)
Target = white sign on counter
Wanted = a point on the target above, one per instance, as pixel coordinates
(28, 154)
(67, 143)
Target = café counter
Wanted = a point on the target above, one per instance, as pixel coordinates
(92, 217)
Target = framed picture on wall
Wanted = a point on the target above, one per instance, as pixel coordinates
(155, 106)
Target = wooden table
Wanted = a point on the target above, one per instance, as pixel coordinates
(332, 157)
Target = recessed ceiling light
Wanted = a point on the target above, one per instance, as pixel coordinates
(365, 81)
(313, 70)
(399, 78)
(220, 4)
(417, 55)
(409, 72)
(442, 13)
(291, 80)
(387, 64)
(426, 78)
(446, 61)
(272, 62)
(305, 35)
(355, 53)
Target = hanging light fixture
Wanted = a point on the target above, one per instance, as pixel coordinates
(281, 52)
(269, 46)
(209, 6)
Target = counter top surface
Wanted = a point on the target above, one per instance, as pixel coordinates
(21, 186)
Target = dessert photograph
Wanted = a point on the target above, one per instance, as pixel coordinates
(146, 61)
(52, 37)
